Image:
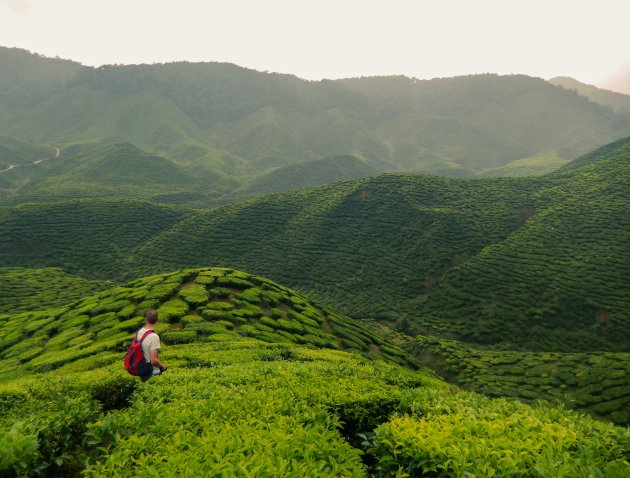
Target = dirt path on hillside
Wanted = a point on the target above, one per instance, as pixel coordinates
(12, 166)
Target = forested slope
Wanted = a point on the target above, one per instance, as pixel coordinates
(231, 125)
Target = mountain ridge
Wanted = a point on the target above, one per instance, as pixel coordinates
(233, 125)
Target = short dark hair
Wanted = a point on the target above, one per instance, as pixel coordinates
(151, 317)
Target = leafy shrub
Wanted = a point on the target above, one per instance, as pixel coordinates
(179, 337)
(172, 311)
(190, 319)
(194, 295)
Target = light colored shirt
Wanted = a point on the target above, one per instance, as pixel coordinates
(150, 342)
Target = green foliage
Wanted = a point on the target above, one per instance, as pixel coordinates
(533, 263)
(194, 295)
(172, 311)
(38, 289)
(92, 238)
(465, 435)
(48, 340)
(246, 407)
(597, 382)
(223, 133)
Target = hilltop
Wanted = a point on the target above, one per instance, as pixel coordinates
(232, 127)
(194, 305)
(617, 101)
(257, 385)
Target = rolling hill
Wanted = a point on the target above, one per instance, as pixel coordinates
(23, 289)
(530, 263)
(106, 171)
(241, 397)
(593, 382)
(231, 126)
(93, 238)
(309, 173)
(561, 277)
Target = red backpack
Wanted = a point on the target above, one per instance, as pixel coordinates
(135, 363)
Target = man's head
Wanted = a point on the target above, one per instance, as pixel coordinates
(151, 317)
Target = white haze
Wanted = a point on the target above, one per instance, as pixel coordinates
(585, 39)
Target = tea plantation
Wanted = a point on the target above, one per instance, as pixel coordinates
(560, 282)
(596, 382)
(528, 263)
(258, 385)
(24, 289)
(92, 238)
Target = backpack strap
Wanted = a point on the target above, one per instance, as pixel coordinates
(144, 336)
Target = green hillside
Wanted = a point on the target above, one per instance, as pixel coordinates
(247, 397)
(27, 78)
(530, 263)
(17, 153)
(309, 173)
(230, 126)
(194, 305)
(617, 101)
(118, 170)
(537, 165)
(559, 281)
(353, 244)
(595, 382)
(24, 289)
(93, 238)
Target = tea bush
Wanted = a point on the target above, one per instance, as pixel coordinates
(257, 389)
(598, 382)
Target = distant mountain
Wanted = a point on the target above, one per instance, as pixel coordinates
(27, 78)
(230, 126)
(617, 101)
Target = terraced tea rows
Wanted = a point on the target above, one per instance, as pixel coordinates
(241, 407)
(90, 238)
(355, 244)
(597, 383)
(533, 264)
(194, 305)
(561, 279)
(36, 289)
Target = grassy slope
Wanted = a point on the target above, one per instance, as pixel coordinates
(534, 263)
(355, 244)
(24, 289)
(119, 170)
(194, 305)
(237, 405)
(87, 237)
(309, 173)
(537, 165)
(19, 153)
(559, 280)
(595, 382)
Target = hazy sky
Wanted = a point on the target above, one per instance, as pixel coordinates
(588, 40)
